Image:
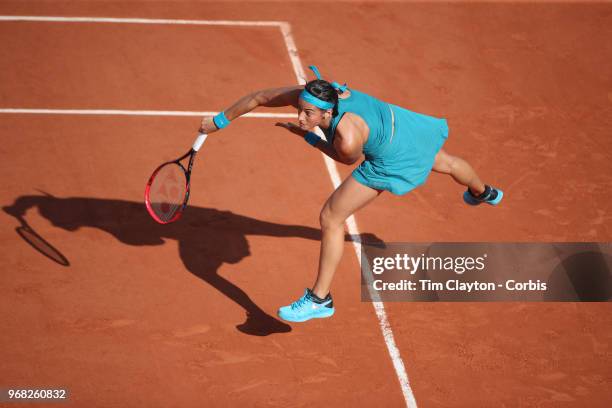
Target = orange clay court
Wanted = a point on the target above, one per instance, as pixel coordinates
(130, 313)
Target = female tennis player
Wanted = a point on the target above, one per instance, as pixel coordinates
(400, 147)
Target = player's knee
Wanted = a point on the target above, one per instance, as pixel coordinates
(327, 218)
(444, 162)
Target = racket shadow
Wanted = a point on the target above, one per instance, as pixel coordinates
(37, 242)
(207, 238)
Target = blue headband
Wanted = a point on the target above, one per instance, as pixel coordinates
(319, 103)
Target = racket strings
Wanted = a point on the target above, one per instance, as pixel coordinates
(167, 191)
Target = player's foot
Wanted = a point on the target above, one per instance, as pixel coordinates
(491, 196)
(307, 307)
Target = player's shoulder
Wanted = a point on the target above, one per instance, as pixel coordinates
(351, 125)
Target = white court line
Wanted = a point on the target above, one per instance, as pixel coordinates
(351, 223)
(138, 112)
(57, 19)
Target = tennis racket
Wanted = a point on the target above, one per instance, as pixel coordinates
(167, 191)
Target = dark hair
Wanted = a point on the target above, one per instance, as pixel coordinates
(324, 91)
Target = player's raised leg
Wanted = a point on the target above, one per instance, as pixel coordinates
(461, 171)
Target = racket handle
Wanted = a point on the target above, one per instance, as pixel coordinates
(199, 141)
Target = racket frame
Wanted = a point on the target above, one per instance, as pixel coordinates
(179, 213)
(197, 144)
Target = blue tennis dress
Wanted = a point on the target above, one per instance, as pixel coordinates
(401, 146)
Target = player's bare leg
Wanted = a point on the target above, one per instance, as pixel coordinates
(461, 171)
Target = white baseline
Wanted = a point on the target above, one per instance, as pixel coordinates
(137, 112)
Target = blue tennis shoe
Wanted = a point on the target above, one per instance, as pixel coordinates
(307, 307)
(491, 196)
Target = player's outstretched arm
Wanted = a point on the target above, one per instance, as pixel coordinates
(273, 97)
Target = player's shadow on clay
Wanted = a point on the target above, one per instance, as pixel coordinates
(207, 238)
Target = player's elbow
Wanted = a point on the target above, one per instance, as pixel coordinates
(348, 156)
(260, 98)
(349, 160)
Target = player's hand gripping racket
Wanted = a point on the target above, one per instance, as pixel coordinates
(167, 191)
